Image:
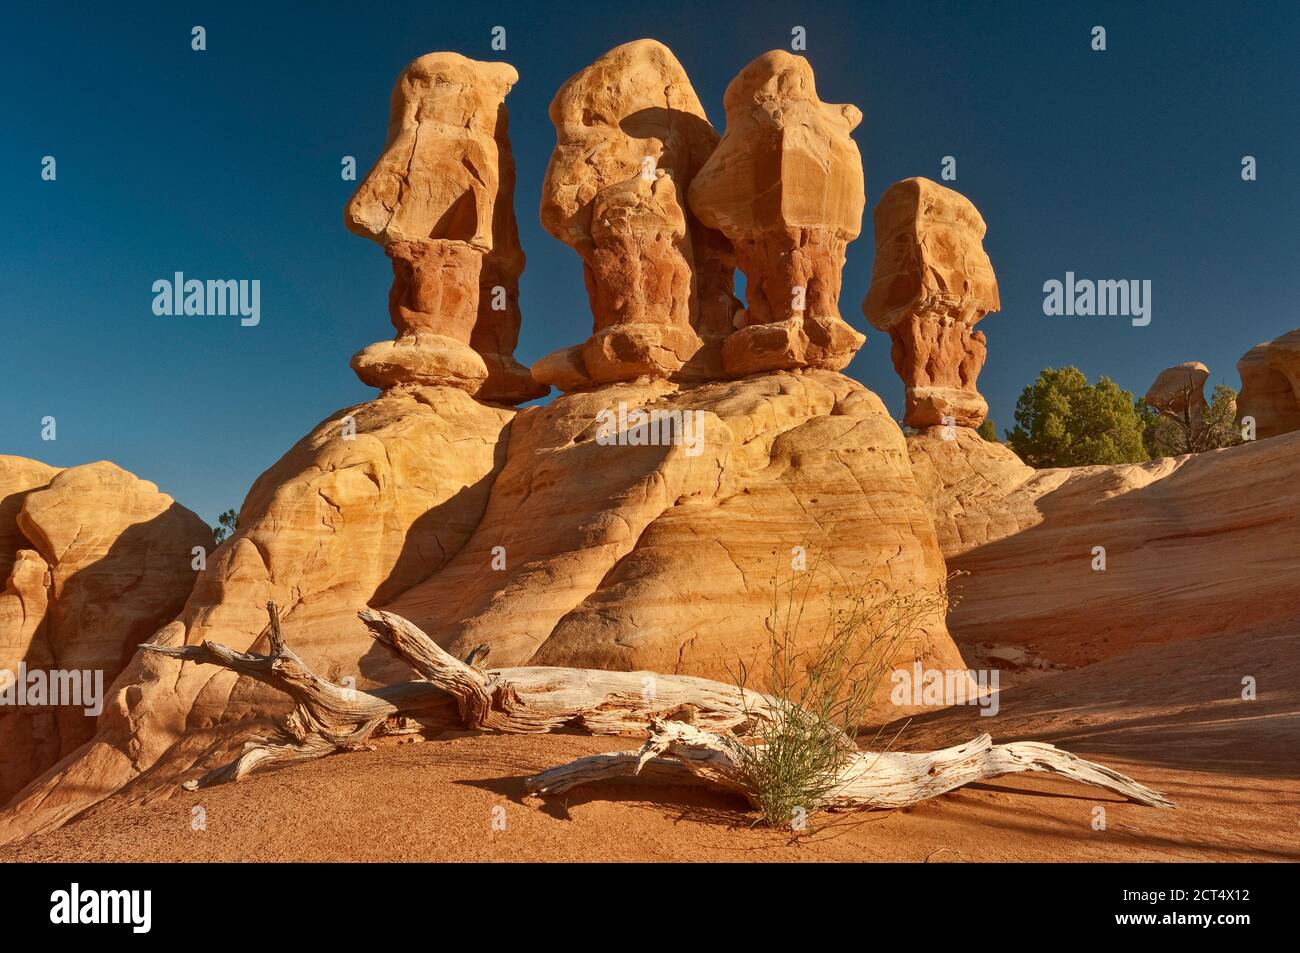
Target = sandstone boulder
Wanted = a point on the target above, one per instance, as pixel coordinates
(1179, 391)
(95, 561)
(1270, 386)
(931, 284)
(661, 556)
(785, 186)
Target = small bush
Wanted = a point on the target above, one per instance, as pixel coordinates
(821, 694)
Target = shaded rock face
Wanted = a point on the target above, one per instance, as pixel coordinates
(1194, 545)
(496, 331)
(785, 186)
(95, 560)
(545, 532)
(630, 137)
(337, 523)
(439, 200)
(930, 285)
(1270, 386)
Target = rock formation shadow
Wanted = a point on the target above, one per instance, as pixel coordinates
(70, 638)
(1177, 705)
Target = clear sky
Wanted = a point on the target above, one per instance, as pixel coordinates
(225, 164)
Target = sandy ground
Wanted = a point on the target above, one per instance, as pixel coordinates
(1170, 716)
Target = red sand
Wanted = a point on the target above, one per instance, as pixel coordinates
(1171, 716)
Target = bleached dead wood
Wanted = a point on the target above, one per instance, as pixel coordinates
(539, 698)
(686, 718)
(325, 718)
(453, 694)
(683, 752)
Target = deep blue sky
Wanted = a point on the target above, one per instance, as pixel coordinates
(225, 164)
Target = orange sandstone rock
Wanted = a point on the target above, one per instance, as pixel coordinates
(95, 560)
(931, 284)
(496, 331)
(630, 137)
(432, 201)
(785, 186)
(1270, 386)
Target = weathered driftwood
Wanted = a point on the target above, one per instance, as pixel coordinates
(325, 718)
(686, 718)
(685, 753)
(536, 698)
(453, 694)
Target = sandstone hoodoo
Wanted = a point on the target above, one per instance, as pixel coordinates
(1178, 393)
(1270, 386)
(931, 284)
(785, 186)
(630, 137)
(431, 200)
(524, 530)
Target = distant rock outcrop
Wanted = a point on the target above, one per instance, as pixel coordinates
(1178, 392)
(94, 561)
(785, 186)
(1270, 386)
(931, 284)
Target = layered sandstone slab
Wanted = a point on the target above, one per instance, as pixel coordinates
(1193, 545)
(630, 136)
(785, 186)
(440, 201)
(95, 560)
(555, 534)
(1270, 386)
(931, 284)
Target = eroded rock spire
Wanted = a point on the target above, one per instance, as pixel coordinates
(630, 136)
(931, 283)
(438, 200)
(785, 186)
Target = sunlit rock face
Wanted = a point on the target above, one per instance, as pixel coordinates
(785, 186)
(931, 284)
